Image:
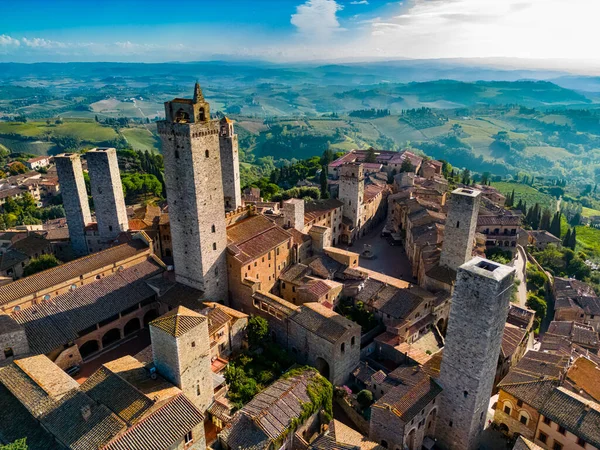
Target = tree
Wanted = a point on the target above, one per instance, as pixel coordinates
(545, 220)
(17, 168)
(19, 444)
(364, 398)
(539, 306)
(555, 225)
(567, 239)
(371, 156)
(485, 179)
(258, 331)
(466, 176)
(407, 166)
(573, 239)
(327, 157)
(39, 264)
(324, 184)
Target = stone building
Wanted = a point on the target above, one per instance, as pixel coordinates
(385, 160)
(478, 313)
(576, 301)
(181, 353)
(13, 339)
(122, 406)
(226, 328)
(352, 192)
(326, 213)
(18, 255)
(230, 164)
(191, 144)
(107, 192)
(75, 199)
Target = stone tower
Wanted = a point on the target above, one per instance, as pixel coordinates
(107, 192)
(230, 165)
(352, 192)
(293, 214)
(181, 353)
(75, 199)
(191, 151)
(461, 223)
(480, 305)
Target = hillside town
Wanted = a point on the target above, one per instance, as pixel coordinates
(375, 317)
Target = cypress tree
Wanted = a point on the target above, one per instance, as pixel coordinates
(555, 225)
(567, 238)
(545, 220)
(573, 239)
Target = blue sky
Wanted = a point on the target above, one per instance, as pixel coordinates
(297, 30)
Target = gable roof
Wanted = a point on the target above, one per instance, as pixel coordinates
(322, 321)
(178, 321)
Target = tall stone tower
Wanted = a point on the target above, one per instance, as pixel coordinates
(181, 353)
(191, 150)
(461, 224)
(107, 192)
(352, 191)
(293, 214)
(480, 305)
(75, 199)
(230, 165)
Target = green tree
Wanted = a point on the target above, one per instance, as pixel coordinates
(371, 156)
(364, 398)
(258, 331)
(466, 177)
(545, 220)
(324, 184)
(539, 306)
(572, 239)
(407, 166)
(19, 444)
(555, 225)
(17, 167)
(39, 264)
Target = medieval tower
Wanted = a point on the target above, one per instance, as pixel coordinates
(478, 315)
(191, 150)
(230, 165)
(107, 192)
(352, 192)
(461, 223)
(75, 199)
(181, 353)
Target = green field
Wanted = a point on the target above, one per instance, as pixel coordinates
(88, 131)
(141, 139)
(589, 212)
(588, 240)
(31, 147)
(526, 193)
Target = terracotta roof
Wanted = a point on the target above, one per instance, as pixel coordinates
(525, 444)
(178, 321)
(269, 414)
(585, 374)
(32, 245)
(322, 321)
(316, 289)
(253, 237)
(581, 334)
(511, 339)
(293, 272)
(316, 208)
(372, 191)
(217, 318)
(340, 436)
(74, 269)
(58, 321)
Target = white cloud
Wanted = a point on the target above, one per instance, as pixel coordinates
(317, 18)
(359, 2)
(7, 41)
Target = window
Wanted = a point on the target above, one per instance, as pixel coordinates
(523, 420)
(176, 154)
(206, 153)
(213, 229)
(557, 446)
(507, 409)
(519, 403)
(581, 442)
(547, 420)
(457, 224)
(188, 437)
(450, 424)
(562, 430)
(343, 347)
(8, 352)
(110, 228)
(352, 341)
(543, 437)
(214, 245)
(17, 308)
(466, 394)
(198, 392)
(193, 344)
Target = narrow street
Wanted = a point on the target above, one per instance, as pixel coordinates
(520, 264)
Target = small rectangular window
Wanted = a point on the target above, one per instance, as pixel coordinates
(562, 430)
(188, 437)
(542, 437)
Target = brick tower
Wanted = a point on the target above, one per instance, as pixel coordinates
(461, 223)
(181, 353)
(191, 151)
(75, 199)
(478, 315)
(352, 192)
(230, 165)
(107, 192)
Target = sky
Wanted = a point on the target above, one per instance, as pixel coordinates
(299, 30)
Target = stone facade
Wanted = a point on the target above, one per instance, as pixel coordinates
(107, 191)
(181, 354)
(519, 417)
(230, 165)
(459, 233)
(75, 200)
(352, 192)
(321, 238)
(478, 313)
(13, 340)
(191, 149)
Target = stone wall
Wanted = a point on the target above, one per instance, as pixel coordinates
(107, 192)
(293, 214)
(75, 199)
(230, 166)
(14, 341)
(352, 192)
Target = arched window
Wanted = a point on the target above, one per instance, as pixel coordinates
(213, 229)
(507, 407)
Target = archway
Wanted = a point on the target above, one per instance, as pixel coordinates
(150, 316)
(182, 116)
(441, 326)
(131, 326)
(111, 336)
(431, 420)
(503, 428)
(88, 348)
(323, 367)
(410, 439)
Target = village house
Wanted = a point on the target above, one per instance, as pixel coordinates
(576, 301)
(38, 162)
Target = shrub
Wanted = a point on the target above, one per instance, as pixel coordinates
(365, 398)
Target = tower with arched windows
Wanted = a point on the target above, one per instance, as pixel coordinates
(352, 192)
(192, 157)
